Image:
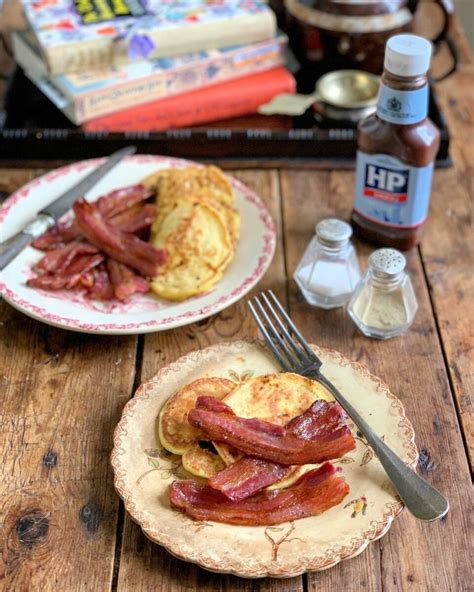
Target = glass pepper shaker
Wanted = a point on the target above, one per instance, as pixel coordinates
(329, 271)
(384, 303)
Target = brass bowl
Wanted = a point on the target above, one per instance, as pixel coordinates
(348, 95)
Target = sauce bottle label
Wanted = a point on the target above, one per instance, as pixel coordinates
(391, 192)
(403, 107)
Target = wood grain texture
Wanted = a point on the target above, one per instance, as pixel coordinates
(413, 555)
(145, 566)
(448, 248)
(61, 395)
(12, 179)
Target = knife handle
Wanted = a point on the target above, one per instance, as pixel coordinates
(10, 248)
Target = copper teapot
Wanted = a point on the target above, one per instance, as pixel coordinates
(353, 33)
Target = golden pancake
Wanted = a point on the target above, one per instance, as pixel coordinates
(198, 246)
(152, 180)
(276, 398)
(201, 462)
(198, 227)
(230, 216)
(186, 181)
(175, 433)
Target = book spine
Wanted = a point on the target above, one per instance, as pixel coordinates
(182, 79)
(229, 99)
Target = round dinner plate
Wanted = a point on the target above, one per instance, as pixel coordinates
(143, 313)
(143, 472)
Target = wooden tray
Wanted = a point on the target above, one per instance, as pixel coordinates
(35, 129)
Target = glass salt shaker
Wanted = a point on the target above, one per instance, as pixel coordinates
(384, 303)
(329, 271)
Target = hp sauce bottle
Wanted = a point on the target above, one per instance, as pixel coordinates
(397, 146)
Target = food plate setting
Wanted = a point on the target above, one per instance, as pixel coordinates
(249, 258)
(144, 469)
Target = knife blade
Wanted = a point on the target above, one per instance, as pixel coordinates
(49, 215)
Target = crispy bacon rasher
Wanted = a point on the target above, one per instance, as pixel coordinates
(97, 250)
(135, 218)
(118, 245)
(101, 287)
(58, 260)
(313, 493)
(70, 277)
(220, 424)
(248, 475)
(118, 207)
(125, 281)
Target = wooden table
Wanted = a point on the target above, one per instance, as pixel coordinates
(63, 527)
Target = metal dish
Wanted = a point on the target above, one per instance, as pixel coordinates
(346, 95)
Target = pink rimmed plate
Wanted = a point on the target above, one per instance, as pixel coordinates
(142, 314)
(143, 472)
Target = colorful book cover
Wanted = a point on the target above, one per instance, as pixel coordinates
(120, 30)
(96, 93)
(221, 101)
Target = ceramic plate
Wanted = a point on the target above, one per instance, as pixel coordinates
(143, 472)
(143, 313)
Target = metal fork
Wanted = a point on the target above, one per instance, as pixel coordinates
(295, 355)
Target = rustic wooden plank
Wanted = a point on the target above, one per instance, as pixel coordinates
(145, 566)
(460, 39)
(413, 556)
(447, 248)
(61, 395)
(12, 179)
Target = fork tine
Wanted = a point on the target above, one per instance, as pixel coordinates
(293, 328)
(293, 361)
(268, 339)
(301, 354)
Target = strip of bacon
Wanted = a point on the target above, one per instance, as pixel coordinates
(218, 406)
(314, 493)
(101, 288)
(58, 260)
(110, 206)
(248, 476)
(286, 449)
(125, 281)
(56, 237)
(70, 278)
(118, 245)
(134, 219)
(121, 199)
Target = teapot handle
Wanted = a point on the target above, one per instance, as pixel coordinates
(448, 9)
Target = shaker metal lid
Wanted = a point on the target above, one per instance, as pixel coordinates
(388, 261)
(332, 230)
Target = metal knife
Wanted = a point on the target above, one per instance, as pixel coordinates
(49, 215)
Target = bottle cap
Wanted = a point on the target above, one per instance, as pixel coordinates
(407, 55)
(389, 262)
(333, 232)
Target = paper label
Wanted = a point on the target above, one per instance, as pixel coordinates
(391, 192)
(403, 107)
(96, 11)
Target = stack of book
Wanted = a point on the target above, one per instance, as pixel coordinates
(143, 65)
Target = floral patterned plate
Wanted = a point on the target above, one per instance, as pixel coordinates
(143, 472)
(142, 314)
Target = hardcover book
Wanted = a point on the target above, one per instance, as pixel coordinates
(233, 98)
(99, 92)
(77, 34)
